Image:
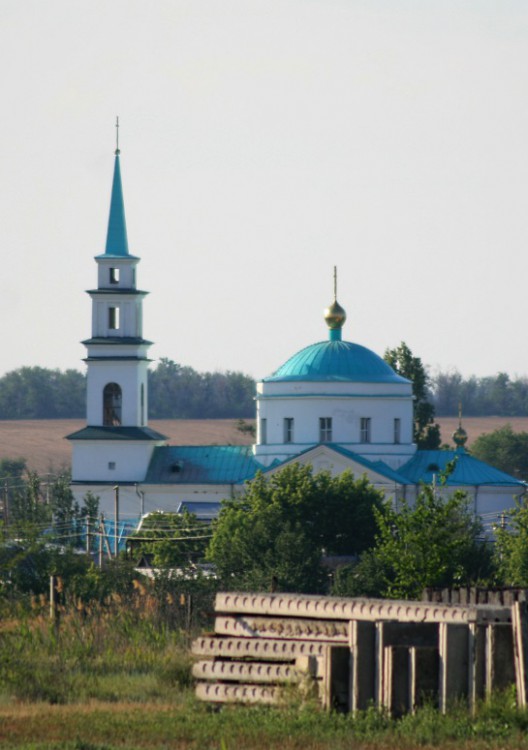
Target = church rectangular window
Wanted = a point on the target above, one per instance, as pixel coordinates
(364, 430)
(111, 465)
(113, 318)
(325, 429)
(397, 430)
(263, 425)
(288, 429)
(114, 275)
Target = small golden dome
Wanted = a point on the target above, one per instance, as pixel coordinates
(460, 437)
(335, 316)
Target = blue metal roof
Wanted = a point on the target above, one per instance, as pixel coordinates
(202, 464)
(107, 432)
(203, 511)
(468, 470)
(380, 467)
(336, 361)
(116, 239)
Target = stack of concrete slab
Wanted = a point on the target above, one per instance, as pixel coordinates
(352, 653)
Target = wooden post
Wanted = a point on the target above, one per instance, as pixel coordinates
(520, 644)
(363, 667)
(101, 535)
(88, 535)
(500, 671)
(116, 525)
(454, 663)
(477, 663)
(6, 504)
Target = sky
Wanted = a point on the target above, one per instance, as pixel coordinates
(262, 144)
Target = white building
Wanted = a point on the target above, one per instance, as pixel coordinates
(335, 405)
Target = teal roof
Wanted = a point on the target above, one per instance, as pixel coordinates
(115, 433)
(380, 467)
(203, 511)
(116, 239)
(202, 464)
(468, 470)
(336, 361)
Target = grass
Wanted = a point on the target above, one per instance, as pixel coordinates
(186, 724)
(112, 677)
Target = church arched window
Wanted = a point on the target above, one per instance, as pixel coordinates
(112, 399)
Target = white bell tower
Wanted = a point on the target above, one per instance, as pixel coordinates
(116, 444)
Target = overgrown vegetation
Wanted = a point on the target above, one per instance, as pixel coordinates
(115, 648)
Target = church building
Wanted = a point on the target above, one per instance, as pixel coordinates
(334, 405)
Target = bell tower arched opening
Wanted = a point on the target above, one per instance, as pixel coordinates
(112, 405)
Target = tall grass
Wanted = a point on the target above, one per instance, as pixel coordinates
(118, 675)
(111, 651)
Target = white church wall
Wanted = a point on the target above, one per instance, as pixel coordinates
(129, 374)
(346, 412)
(109, 461)
(137, 499)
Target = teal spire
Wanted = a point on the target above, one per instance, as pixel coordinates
(116, 239)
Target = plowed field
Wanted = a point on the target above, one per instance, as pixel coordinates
(42, 442)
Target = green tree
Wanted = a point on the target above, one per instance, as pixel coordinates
(171, 539)
(67, 516)
(90, 514)
(511, 547)
(29, 514)
(38, 393)
(432, 543)
(182, 392)
(275, 534)
(426, 431)
(505, 449)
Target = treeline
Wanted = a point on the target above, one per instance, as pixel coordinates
(175, 392)
(180, 392)
(496, 395)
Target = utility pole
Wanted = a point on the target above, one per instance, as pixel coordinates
(116, 503)
(101, 534)
(6, 504)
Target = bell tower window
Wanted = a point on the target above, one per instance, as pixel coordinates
(113, 318)
(112, 399)
(114, 275)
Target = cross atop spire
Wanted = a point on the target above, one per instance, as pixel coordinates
(335, 316)
(116, 238)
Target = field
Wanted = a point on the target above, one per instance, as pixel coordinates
(115, 676)
(42, 442)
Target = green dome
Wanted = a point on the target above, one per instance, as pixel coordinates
(338, 361)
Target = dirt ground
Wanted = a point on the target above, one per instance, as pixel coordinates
(42, 442)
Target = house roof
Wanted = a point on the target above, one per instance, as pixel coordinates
(336, 360)
(202, 464)
(98, 432)
(467, 470)
(378, 467)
